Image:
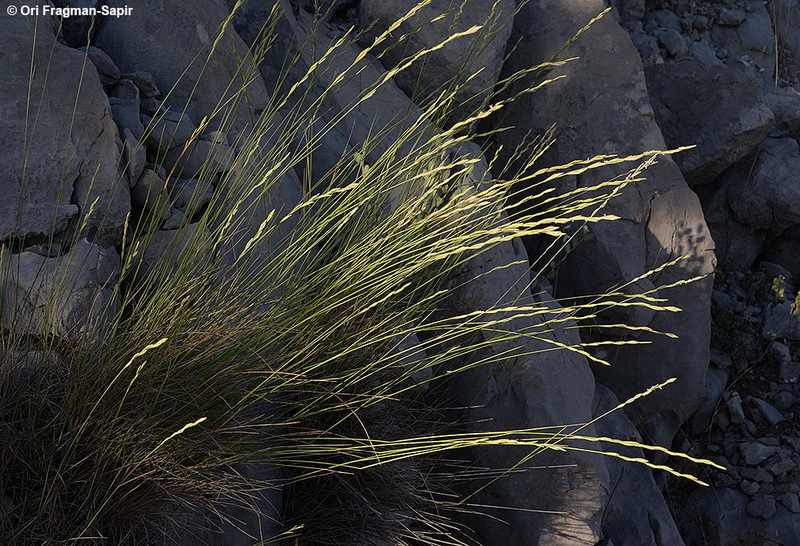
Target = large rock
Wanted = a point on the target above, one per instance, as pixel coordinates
(526, 383)
(472, 62)
(173, 41)
(602, 107)
(719, 110)
(764, 193)
(58, 144)
(68, 296)
(636, 513)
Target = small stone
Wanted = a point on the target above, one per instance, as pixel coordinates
(674, 43)
(648, 48)
(168, 131)
(106, 69)
(134, 156)
(734, 405)
(756, 475)
(792, 502)
(781, 466)
(126, 90)
(749, 488)
(784, 400)
(126, 116)
(762, 506)
(176, 220)
(722, 479)
(151, 106)
(780, 323)
(792, 442)
(145, 82)
(770, 412)
(723, 299)
(148, 193)
(216, 137)
(665, 19)
(703, 53)
(755, 453)
(701, 23)
(190, 195)
(731, 17)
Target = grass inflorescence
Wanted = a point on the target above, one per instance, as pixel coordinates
(301, 336)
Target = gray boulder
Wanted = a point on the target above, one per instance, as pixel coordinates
(54, 164)
(636, 513)
(525, 383)
(68, 296)
(172, 40)
(719, 110)
(602, 107)
(472, 62)
(764, 193)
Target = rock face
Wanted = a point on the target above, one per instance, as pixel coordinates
(164, 37)
(602, 107)
(522, 384)
(66, 296)
(636, 513)
(472, 62)
(719, 110)
(55, 165)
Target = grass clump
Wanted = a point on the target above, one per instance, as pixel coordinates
(303, 337)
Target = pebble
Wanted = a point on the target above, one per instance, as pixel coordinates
(674, 43)
(770, 412)
(734, 404)
(756, 475)
(782, 465)
(784, 400)
(755, 453)
(732, 17)
(749, 488)
(762, 506)
(792, 502)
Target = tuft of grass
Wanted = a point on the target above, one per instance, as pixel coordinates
(272, 333)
